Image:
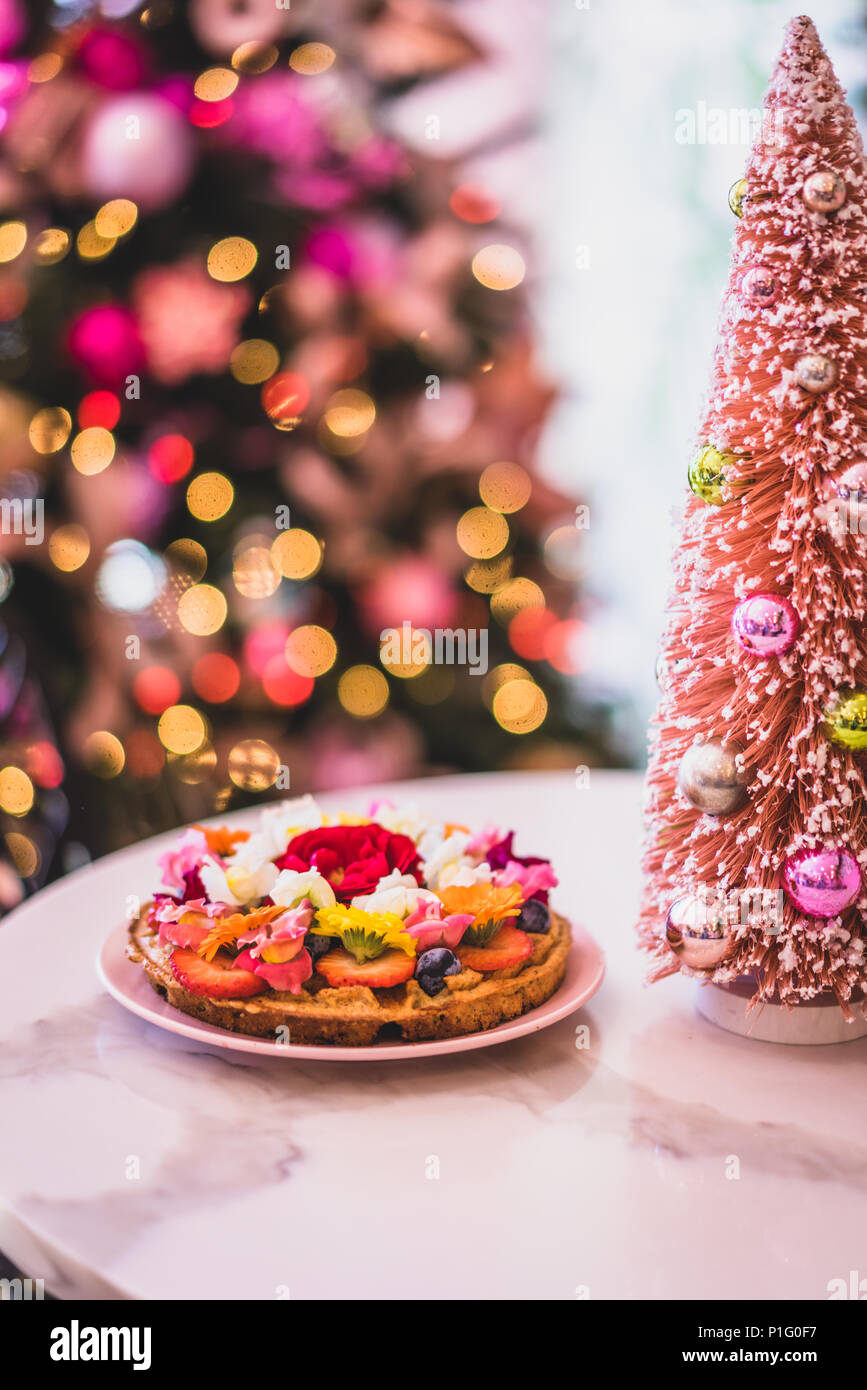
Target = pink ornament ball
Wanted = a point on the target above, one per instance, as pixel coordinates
(759, 287)
(105, 343)
(822, 882)
(137, 146)
(765, 625)
(112, 60)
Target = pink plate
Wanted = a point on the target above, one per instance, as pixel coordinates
(128, 984)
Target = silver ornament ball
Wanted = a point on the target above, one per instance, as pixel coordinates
(824, 191)
(815, 372)
(710, 778)
(697, 933)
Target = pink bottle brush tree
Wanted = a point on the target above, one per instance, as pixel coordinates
(756, 828)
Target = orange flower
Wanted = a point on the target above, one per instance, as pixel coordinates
(485, 902)
(221, 840)
(226, 930)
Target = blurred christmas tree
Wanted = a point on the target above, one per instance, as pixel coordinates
(263, 367)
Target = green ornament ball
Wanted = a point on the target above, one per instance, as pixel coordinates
(707, 474)
(738, 196)
(846, 719)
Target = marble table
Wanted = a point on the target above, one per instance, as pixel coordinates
(665, 1160)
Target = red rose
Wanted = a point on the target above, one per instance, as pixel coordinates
(352, 857)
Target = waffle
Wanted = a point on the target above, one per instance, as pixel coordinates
(358, 1016)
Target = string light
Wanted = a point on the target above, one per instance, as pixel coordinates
(363, 691)
(114, 219)
(310, 650)
(231, 259)
(51, 245)
(296, 554)
(482, 533)
(49, 429)
(69, 547)
(254, 361)
(209, 496)
(16, 791)
(498, 267)
(13, 239)
(181, 729)
(311, 58)
(505, 487)
(255, 57)
(92, 450)
(103, 754)
(202, 610)
(254, 765)
(215, 84)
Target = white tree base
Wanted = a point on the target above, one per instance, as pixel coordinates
(805, 1024)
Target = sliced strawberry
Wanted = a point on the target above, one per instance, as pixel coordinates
(215, 978)
(341, 968)
(508, 946)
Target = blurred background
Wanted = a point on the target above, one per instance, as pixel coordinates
(323, 320)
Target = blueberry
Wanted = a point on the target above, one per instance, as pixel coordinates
(317, 945)
(431, 984)
(437, 962)
(535, 916)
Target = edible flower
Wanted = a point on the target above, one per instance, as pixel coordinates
(246, 877)
(489, 906)
(183, 859)
(221, 840)
(501, 856)
(364, 934)
(292, 887)
(398, 893)
(352, 857)
(428, 927)
(185, 924)
(276, 948)
(225, 931)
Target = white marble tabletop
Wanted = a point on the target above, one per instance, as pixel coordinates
(665, 1160)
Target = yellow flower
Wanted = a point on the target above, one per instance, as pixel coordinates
(364, 934)
(490, 906)
(226, 930)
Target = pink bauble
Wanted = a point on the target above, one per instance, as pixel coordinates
(759, 287)
(137, 146)
(112, 59)
(822, 882)
(765, 625)
(105, 343)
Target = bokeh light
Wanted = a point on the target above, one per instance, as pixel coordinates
(310, 650)
(284, 398)
(282, 685)
(254, 361)
(209, 496)
(253, 572)
(215, 84)
(416, 647)
(482, 533)
(505, 487)
(349, 413)
(103, 754)
(189, 557)
(564, 553)
(100, 408)
(202, 610)
(44, 66)
(91, 246)
(363, 691)
(130, 577)
(473, 204)
(296, 554)
(255, 57)
(254, 765)
(519, 706)
(92, 450)
(24, 853)
(506, 671)
(115, 218)
(311, 58)
(499, 267)
(528, 631)
(181, 729)
(51, 245)
(49, 429)
(69, 547)
(13, 239)
(231, 259)
(170, 458)
(216, 677)
(486, 576)
(16, 791)
(155, 688)
(513, 597)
